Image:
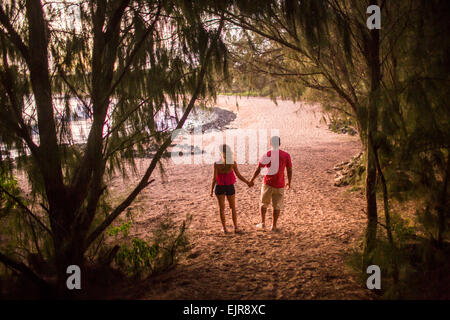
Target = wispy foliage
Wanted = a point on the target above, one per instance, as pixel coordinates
(117, 66)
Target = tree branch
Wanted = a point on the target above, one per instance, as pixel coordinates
(14, 36)
(23, 269)
(145, 179)
(116, 18)
(27, 210)
(134, 52)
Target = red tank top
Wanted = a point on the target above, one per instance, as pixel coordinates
(226, 179)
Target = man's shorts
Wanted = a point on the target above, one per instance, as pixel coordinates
(269, 194)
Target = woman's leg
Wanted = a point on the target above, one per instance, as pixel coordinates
(232, 202)
(221, 202)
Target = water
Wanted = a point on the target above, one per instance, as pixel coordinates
(79, 123)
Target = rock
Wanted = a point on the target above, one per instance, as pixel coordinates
(347, 171)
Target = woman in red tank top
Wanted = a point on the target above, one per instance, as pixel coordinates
(223, 180)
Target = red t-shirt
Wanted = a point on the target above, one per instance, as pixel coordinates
(274, 176)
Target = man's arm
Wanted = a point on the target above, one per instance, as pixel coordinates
(289, 174)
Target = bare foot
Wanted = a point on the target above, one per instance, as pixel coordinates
(261, 226)
(225, 231)
(236, 230)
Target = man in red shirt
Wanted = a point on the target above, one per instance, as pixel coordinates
(273, 164)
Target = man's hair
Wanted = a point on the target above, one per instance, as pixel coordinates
(275, 141)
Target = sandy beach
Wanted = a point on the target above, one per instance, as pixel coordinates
(320, 223)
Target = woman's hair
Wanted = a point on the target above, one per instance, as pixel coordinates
(227, 155)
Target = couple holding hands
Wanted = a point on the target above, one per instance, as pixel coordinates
(272, 189)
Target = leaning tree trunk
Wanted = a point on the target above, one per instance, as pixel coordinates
(47, 155)
(371, 209)
(373, 61)
(395, 271)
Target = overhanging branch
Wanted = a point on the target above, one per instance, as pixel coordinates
(145, 179)
(23, 269)
(27, 210)
(14, 36)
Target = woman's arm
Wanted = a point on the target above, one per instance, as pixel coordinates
(239, 175)
(213, 182)
(255, 174)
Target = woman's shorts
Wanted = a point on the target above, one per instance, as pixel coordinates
(226, 190)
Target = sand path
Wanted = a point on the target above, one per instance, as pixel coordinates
(320, 223)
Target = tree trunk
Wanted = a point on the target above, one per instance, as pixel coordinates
(371, 208)
(69, 251)
(373, 62)
(443, 208)
(61, 212)
(395, 271)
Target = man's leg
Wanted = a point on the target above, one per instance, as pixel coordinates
(263, 215)
(277, 202)
(276, 214)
